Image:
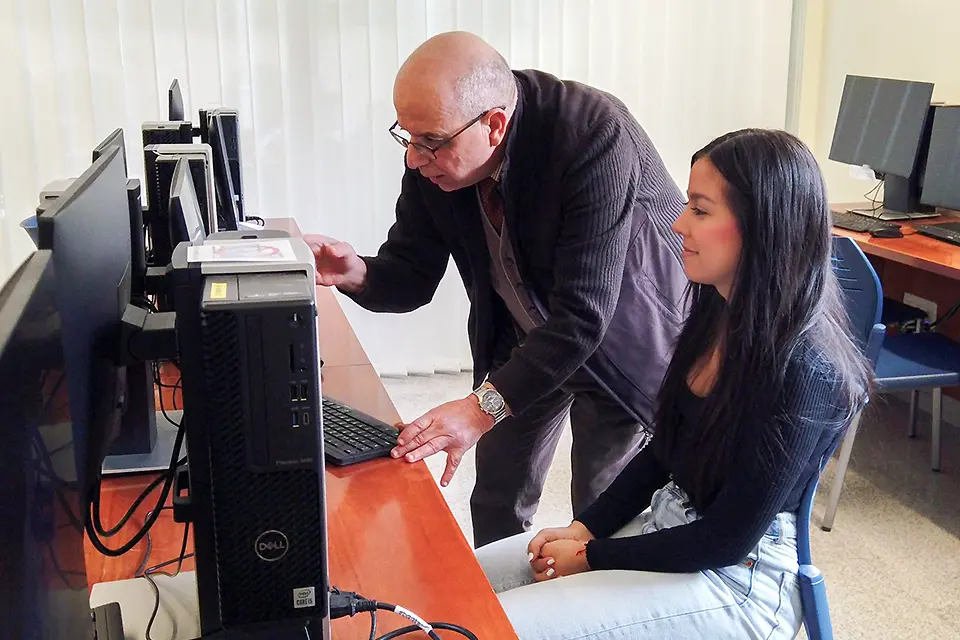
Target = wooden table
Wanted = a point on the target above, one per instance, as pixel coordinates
(913, 250)
(391, 535)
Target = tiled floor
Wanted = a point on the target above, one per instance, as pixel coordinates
(892, 562)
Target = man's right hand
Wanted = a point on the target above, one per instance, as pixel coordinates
(338, 265)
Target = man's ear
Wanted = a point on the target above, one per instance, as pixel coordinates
(497, 121)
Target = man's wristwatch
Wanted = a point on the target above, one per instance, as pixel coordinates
(491, 402)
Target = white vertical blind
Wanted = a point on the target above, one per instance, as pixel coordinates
(313, 80)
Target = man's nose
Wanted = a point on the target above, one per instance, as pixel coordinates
(416, 158)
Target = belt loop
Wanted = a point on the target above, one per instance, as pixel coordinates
(782, 525)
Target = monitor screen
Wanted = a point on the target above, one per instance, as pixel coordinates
(186, 220)
(880, 123)
(175, 102)
(941, 178)
(42, 564)
(88, 230)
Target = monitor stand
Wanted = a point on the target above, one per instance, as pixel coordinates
(146, 438)
(155, 459)
(890, 214)
(901, 200)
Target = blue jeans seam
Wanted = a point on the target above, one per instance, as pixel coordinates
(638, 623)
(776, 615)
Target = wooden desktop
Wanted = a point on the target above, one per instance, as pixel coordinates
(913, 250)
(391, 535)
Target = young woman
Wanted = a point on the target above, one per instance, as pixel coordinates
(697, 536)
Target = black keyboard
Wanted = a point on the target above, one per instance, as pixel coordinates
(949, 232)
(351, 436)
(860, 223)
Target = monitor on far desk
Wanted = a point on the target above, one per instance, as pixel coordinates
(941, 179)
(883, 124)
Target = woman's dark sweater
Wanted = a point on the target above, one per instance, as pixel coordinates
(772, 466)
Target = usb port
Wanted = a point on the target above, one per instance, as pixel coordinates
(303, 392)
(293, 392)
(305, 420)
(294, 419)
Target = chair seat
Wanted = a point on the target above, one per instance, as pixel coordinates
(918, 360)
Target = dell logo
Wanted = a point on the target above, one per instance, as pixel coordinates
(271, 546)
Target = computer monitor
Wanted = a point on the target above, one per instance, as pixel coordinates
(225, 146)
(175, 101)
(146, 435)
(941, 177)
(186, 221)
(161, 161)
(137, 239)
(44, 592)
(115, 139)
(88, 231)
(881, 124)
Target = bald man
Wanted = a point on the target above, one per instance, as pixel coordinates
(556, 208)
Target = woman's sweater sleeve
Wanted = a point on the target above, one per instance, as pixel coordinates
(766, 469)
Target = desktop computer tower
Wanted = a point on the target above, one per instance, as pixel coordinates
(251, 401)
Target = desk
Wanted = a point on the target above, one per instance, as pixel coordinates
(917, 251)
(391, 535)
(915, 264)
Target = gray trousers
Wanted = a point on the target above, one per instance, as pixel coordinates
(513, 458)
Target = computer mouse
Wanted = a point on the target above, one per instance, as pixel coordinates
(892, 232)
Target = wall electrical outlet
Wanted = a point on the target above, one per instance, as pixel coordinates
(922, 303)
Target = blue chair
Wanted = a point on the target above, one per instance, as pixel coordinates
(908, 361)
(864, 309)
(813, 590)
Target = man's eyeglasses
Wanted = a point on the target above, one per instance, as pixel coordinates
(430, 151)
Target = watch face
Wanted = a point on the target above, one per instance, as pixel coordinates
(492, 401)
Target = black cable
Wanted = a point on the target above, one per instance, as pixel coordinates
(386, 606)
(95, 498)
(347, 603)
(155, 570)
(443, 626)
(872, 196)
(949, 314)
(146, 557)
(114, 530)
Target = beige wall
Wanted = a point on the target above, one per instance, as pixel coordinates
(906, 39)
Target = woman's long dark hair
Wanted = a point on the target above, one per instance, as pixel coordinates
(784, 295)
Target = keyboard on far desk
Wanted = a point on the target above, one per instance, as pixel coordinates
(949, 232)
(858, 222)
(351, 436)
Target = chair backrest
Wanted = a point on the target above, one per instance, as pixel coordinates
(813, 590)
(863, 301)
(860, 286)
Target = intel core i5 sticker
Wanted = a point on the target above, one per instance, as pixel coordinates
(304, 598)
(218, 291)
